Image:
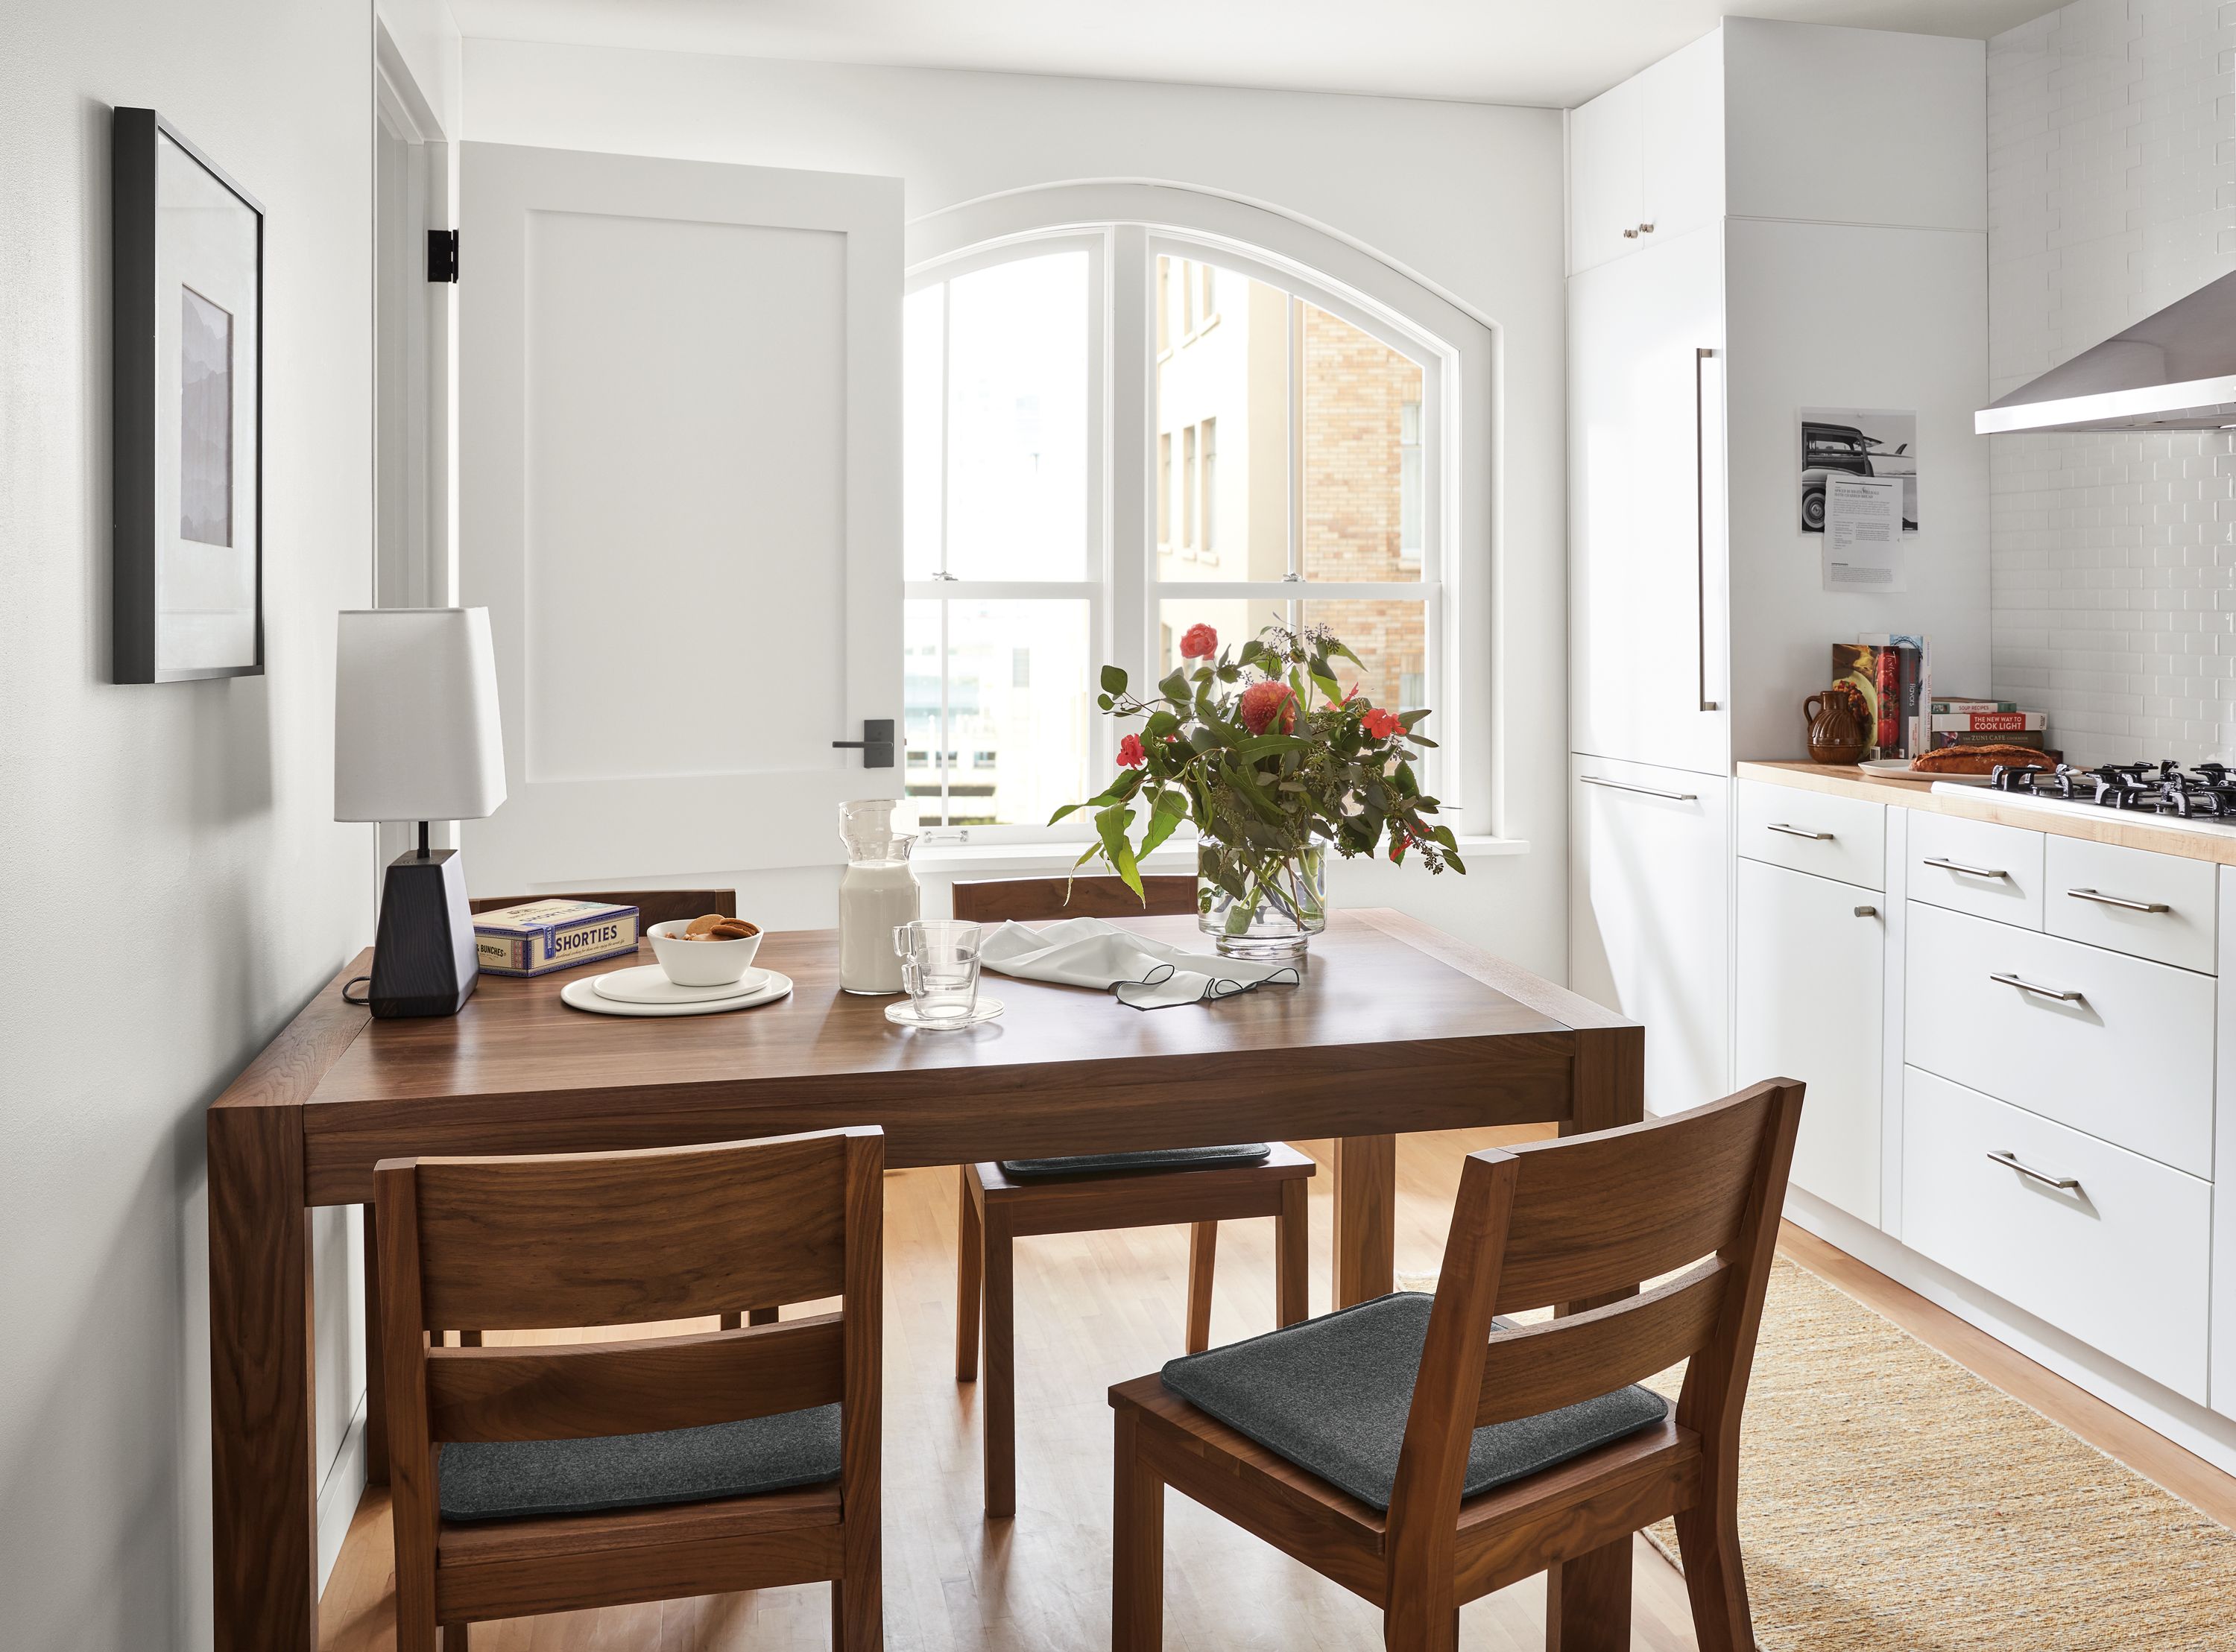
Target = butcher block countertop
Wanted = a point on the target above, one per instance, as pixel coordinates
(2193, 839)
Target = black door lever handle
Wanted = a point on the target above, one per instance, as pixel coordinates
(876, 744)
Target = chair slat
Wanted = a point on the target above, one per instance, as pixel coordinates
(1600, 1213)
(571, 1239)
(653, 906)
(1540, 1368)
(582, 1390)
(1041, 900)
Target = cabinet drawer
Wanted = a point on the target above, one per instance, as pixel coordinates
(2155, 906)
(2128, 1056)
(2119, 1260)
(1977, 867)
(1809, 831)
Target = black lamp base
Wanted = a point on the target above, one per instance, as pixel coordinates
(423, 955)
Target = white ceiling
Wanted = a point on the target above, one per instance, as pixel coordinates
(1554, 52)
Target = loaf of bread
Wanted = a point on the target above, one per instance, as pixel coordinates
(1981, 759)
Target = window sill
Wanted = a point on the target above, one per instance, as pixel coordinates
(984, 860)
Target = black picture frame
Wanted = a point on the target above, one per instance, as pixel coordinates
(138, 539)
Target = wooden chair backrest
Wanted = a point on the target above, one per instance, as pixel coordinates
(584, 1239)
(653, 906)
(1562, 1221)
(1040, 900)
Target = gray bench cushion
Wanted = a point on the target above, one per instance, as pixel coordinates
(1331, 1394)
(1154, 1159)
(504, 1479)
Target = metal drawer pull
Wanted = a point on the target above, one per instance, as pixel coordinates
(1799, 831)
(2116, 900)
(1867, 911)
(1969, 871)
(2039, 991)
(2063, 1183)
(1650, 791)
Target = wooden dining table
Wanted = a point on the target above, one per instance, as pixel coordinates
(1394, 1026)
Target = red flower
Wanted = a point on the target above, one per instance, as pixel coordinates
(1382, 724)
(1264, 702)
(1130, 755)
(1201, 642)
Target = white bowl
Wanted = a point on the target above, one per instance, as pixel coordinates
(700, 963)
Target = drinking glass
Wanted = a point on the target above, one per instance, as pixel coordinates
(939, 968)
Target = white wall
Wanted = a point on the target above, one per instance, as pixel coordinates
(173, 885)
(1466, 198)
(2110, 126)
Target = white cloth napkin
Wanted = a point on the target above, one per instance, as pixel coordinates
(1142, 974)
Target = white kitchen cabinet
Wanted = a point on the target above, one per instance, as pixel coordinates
(1646, 578)
(1645, 157)
(1605, 179)
(1648, 916)
(2106, 1244)
(2118, 1046)
(1812, 956)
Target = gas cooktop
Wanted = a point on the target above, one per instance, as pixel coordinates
(2205, 792)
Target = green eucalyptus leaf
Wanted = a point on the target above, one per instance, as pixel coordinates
(1114, 679)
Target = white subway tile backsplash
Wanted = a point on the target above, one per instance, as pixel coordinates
(2111, 193)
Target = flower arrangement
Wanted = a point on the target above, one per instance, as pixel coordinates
(1234, 741)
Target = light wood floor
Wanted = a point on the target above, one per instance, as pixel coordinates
(1093, 1309)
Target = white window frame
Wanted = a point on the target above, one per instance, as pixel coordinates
(1457, 352)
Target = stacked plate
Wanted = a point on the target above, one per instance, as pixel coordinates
(645, 990)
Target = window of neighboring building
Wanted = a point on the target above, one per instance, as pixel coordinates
(1188, 486)
(1208, 448)
(1288, 473)
(1164, 487)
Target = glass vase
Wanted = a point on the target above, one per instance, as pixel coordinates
(1286, 905)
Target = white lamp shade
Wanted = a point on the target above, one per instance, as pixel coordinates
(416, 732)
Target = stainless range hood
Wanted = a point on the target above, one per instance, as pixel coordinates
(2173, 371)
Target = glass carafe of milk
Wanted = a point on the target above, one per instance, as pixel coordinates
(876, 894)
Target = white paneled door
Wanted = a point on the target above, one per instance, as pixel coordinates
(680, 499)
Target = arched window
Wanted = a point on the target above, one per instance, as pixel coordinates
(1115, 431)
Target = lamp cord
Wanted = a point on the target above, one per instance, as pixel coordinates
(362, 1003)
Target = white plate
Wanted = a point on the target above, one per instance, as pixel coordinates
(648, 984)
(582, 994)
(1899, 769)
(903, 1014)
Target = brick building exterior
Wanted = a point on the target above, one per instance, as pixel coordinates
(1356, 395)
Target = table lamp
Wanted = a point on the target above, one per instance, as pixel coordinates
(415, 739)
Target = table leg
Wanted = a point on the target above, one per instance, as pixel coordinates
(1610, 1079)
(265, 1516)
(376, 1375)
(1365, 1217)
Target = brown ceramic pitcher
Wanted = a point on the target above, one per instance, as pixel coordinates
(1836, 726)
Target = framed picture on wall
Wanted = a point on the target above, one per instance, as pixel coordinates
(187, 251)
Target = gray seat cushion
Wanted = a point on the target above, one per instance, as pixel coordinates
(504, 1479)
(1331, 1395)
(1154, 1159)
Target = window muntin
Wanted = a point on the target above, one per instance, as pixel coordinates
(1325, 508)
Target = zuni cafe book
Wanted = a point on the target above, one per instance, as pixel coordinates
(538, 936)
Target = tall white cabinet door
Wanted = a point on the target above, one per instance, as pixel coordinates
(679, 468)
(1812, 956)
(1605, 205)
(1681, 123)
(1646, 593)
(1649, 874)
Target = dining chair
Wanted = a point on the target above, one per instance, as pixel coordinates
(653, 906)
(1421, 1452)
(1005, 1200)
(551, 1478)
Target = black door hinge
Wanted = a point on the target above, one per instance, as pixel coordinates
(442, 255)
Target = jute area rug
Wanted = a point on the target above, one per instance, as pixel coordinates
(1890, 1501)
